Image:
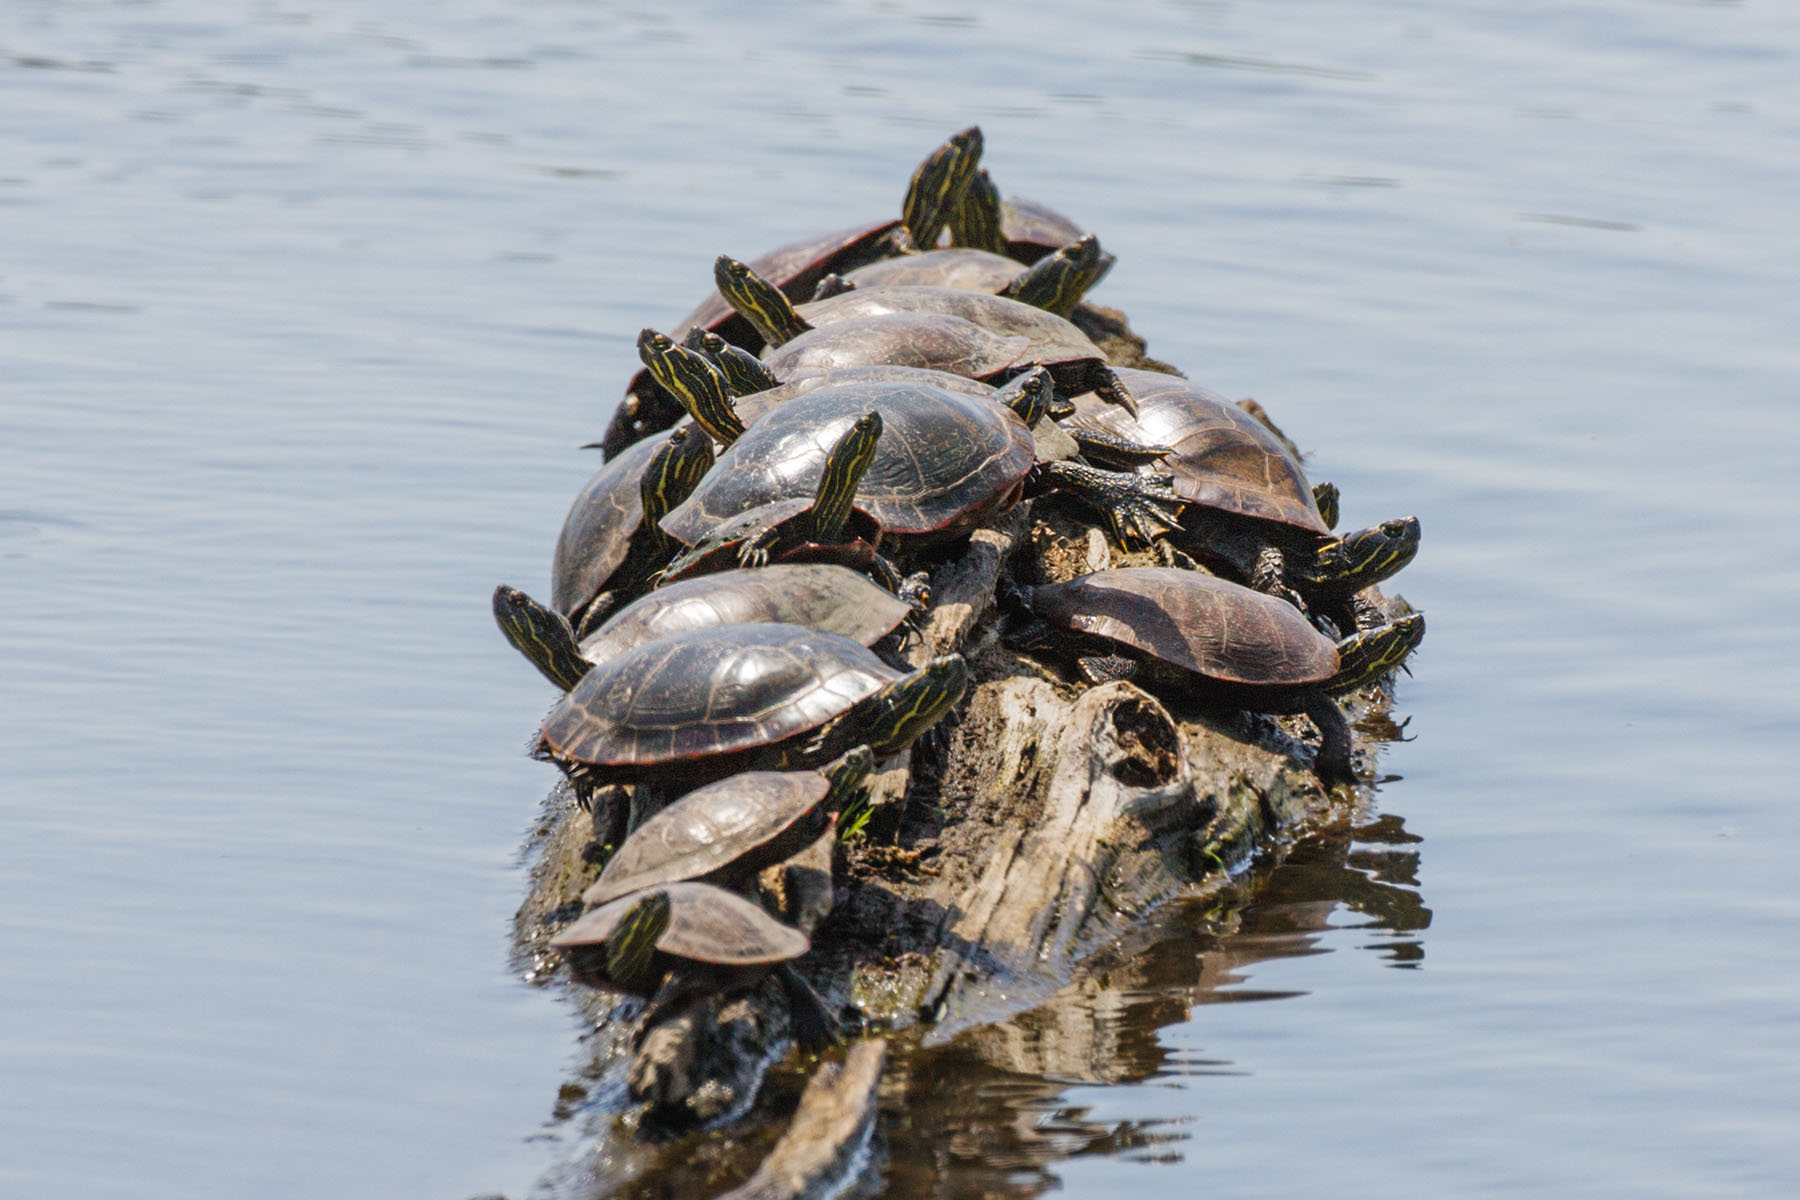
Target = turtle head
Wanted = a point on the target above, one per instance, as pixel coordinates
(673, 473)
(1325, 499)
(631, 946)
(1057, 282)
(692, 379)
(978, 221)
(1029, 395)
(938, 185)
(848, 775)
(893, 717)
(1366, 656)
(542, 635)
(844, 468)
(1368, 556)
(758, 301)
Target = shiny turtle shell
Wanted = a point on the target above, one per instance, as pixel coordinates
(795, 268)
(928, 340)
(957, 267)
(1052, 340)
(828, 598)
(1222, 456)
(725, 831)
(1261, 648)
(728, 692)
(596, 534)
(945, 463)
(706, 925)
(1052, 443)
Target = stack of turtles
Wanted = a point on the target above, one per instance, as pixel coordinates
(738, 592)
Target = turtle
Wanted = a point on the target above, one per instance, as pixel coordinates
(610, 535)
(684, 710)
(1250, 510)
(935, 188)
(1018, 228)
(678, 940)
(745, 374)
(1077, 364)
(1206, 639)
(946, 463)
(1055, 284)
(728, 831)
(822, 596)
(822, 524)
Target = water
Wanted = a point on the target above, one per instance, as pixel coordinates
(307, 305)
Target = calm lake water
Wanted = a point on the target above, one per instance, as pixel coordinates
(306, 306)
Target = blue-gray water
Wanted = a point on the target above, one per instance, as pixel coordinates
(306, 305)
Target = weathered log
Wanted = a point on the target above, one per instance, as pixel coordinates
(824, 1147)
(1030, 832)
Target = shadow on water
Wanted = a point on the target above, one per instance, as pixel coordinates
(992, 1114)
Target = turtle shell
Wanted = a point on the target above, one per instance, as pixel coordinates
(1052, 339)
(929, 340)
(596, 535)
(796, 269)
(820, 596)
(1202, 624)
(958, 267)
(726, 690)
(1032, 230)
(1223, 457)
(746, 822)
(706, 924)
(945, 461)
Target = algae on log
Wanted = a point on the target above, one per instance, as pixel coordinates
(1031, 832)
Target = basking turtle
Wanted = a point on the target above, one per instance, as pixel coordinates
(823, 524)
(1056, 283)
(934, 189)
(831, 599)
(1076, 363)
(947, 462)
(1018, 228)
(1212, 641)
(726, 832)
(1250, 510)
(610, 538)
(699, 706)
(678, 940)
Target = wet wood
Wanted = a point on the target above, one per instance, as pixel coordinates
(1029, 833)
(828, 1138)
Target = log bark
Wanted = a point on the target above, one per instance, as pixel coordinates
(1004, 851)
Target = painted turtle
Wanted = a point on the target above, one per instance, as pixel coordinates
(1250, 509)
(933, 191)
(679, 940)
(698, 706)
(831, 599)
(726, 832)
(1207, 639)
(1056, 283)
(1076, 363)
(947, 462)
(610, 538)
(822, 524)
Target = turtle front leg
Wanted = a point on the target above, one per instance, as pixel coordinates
(1269, 576)
(1105, 383)
(1332, 761)
(1136, 508)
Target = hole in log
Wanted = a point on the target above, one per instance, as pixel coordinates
(1148, 745)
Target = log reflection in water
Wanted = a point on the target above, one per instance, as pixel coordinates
(985, 1115)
